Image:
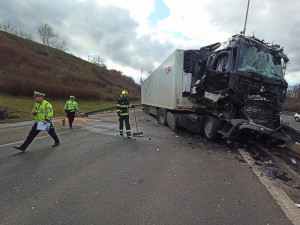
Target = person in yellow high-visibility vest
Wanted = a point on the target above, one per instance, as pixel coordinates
(71, 107)
(43, 113)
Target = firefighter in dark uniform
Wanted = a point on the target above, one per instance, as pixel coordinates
(43, 113)
(123, 113)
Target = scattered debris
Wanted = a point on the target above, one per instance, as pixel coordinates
(268, 162)
(293, 160)
(274, 172)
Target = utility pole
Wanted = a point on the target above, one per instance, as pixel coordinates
(244, 31)
(141, 79)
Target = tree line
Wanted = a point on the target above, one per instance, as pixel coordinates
(45, 31)
(292, 102)
(293, 92)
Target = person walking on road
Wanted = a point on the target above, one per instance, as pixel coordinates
(71, 107)
(43, 113)
(123, 113)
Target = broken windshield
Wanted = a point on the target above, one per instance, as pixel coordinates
(250, 59)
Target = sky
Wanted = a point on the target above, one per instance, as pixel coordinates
(134, 34)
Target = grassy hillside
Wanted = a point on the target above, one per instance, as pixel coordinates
(26, 66)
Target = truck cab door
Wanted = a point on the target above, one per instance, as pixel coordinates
(217, 77)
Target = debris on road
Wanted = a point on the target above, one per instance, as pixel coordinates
(293, 160)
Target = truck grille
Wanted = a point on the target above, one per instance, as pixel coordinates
(262, 113)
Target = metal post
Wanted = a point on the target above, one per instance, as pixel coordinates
(141, 79)
(244, 31)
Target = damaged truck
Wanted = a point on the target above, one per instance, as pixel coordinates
(224, 89)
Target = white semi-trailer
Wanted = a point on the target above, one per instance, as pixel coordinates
(224, 89)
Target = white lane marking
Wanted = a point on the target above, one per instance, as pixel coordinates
(282, 199)
(35, 139)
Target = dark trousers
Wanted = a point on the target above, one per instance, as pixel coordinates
(71, 116)
(121, 119)
(34, 132)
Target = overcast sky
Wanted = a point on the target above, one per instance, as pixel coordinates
(130, 34)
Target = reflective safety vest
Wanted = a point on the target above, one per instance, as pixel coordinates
(44, 111)
(71, 106)
(123, 106)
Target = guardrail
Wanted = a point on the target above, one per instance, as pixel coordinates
(100, 111)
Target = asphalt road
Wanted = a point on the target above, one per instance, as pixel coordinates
(98, 177)
(291, 121)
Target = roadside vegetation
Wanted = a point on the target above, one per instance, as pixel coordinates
(292, 102)
(27, 66)
(19, 107)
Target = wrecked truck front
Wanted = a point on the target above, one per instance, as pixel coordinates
(261, 69)
(243, 80)
(284, 133)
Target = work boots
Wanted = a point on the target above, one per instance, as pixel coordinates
(56, 144)
(128, 134)
(19, 148)
(121, 133)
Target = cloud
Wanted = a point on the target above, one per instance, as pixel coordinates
(274, 21)
(120, 31)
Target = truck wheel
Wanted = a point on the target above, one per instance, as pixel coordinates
(147, 110)
(297, 119)
(162, 116)
(211, 126)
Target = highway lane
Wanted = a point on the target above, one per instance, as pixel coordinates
(291, 121)
(98, 177)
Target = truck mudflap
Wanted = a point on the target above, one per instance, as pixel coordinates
(284, 132)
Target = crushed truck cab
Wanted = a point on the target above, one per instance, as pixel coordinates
(226, 89)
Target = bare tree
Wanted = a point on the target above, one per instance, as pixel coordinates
(97, 60)
(24, 35)
(59, 45)
(28, 37)
(294, 91)
(46, 33)
(7, 26)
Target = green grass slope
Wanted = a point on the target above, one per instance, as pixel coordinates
(26, 66)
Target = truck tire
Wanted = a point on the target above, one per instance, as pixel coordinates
(210, 127)
(147, 109)
(162, 116)
(172, 121)
(297, 119)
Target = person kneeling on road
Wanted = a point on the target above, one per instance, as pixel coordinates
(43, 113)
